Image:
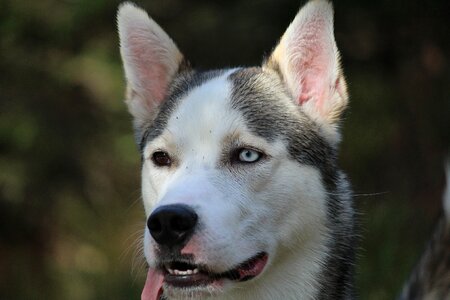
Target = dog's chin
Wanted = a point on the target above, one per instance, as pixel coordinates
(185, 279)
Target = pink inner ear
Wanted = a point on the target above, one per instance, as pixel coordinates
(156, 81)
(151, 73)
(313, 82)
(312, 57)
(310, 86)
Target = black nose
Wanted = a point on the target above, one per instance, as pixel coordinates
(172, 225)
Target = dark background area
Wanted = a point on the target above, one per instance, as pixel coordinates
(70, 212)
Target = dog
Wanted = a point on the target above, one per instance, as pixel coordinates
(430, 278)
(240, 183)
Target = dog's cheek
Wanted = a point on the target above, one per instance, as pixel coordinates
(296, 197)
(260, 206)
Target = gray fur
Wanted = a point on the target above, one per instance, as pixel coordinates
(261, 97)
(431, 277)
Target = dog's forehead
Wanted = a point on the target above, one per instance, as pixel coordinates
(215, 103)
(204, 112)
(206, 106)
(214, 99)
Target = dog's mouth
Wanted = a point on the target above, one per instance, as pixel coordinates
(187, 275)
(182, 274)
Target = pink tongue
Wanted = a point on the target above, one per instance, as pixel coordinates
(153, 285)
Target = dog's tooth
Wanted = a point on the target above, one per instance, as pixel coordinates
(195, 271)
(178, 272)
(170, 271)
(189, 272)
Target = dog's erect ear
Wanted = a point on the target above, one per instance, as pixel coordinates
(150, 60)
(308, 61)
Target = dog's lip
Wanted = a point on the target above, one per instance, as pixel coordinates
(186, 274)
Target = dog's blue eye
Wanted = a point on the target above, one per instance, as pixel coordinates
(249, 155)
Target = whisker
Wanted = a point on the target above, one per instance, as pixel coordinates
(359, 194)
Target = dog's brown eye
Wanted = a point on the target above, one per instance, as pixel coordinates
(161, 159)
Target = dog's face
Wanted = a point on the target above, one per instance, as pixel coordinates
(235, 161)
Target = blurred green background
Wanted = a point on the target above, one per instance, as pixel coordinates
(70, 211)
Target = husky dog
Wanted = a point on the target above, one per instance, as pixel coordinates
(430, 280)
(240, 185)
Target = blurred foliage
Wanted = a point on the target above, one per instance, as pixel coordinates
(70, 212)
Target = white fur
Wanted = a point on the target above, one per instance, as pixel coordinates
(240, 209)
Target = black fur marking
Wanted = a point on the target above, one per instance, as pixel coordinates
(339, 272)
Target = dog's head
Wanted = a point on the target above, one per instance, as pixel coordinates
(236, 163)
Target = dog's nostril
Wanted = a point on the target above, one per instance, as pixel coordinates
(154, 225)
(171, 225)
